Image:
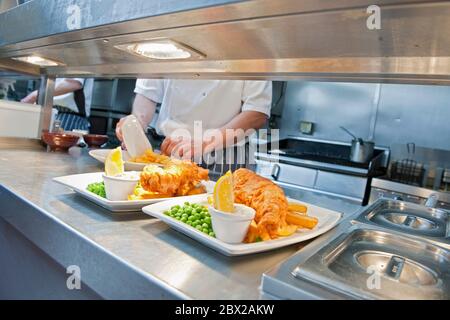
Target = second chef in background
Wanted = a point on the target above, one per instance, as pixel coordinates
(72, 99)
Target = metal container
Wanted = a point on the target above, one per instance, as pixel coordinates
(410, 218)
(366, 263)
(362, 151)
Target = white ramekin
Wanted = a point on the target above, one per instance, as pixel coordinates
(232, 227)
(119, 188)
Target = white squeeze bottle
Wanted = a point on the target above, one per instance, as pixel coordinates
(134, 137)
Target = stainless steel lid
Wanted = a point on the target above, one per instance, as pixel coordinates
(409, 218)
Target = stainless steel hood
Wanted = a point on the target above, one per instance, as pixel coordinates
(283, 39)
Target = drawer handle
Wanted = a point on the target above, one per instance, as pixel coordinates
(275, 171)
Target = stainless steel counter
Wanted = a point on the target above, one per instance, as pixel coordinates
(127, 255)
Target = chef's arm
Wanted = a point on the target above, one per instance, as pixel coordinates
(143, 110)
(240, 125)
(232, 132)
(63, 87)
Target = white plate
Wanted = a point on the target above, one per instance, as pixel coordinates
(101, 154)
(327, 220)
(79, 183)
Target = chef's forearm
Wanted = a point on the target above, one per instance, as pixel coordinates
(241, 125)
(61, 88)
(143, 109)
(67, 86)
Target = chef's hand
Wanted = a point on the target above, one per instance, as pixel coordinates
(186, 148)
(31, 98)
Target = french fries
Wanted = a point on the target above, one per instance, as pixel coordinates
(296, 207)
(252, 233)
(301, 220)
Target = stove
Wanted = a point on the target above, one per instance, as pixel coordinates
(319, 165)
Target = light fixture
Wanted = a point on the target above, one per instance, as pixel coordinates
(161, 49)
(39, 61)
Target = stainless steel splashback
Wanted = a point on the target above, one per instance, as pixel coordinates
(310, 39)
(390, 114)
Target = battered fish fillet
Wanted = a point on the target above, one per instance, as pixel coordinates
(177, 178)
(268, 200)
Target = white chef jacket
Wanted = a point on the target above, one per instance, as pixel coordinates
(67, 100)
(214, 102)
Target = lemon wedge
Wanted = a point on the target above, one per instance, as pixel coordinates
(224, 194)
(287, 230)
(114, 163)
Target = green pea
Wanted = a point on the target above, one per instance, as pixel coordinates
(178, 218)
(189, 223)
(188, 210)
(191, 218)
(166, 213)
(205, 230)
(195, 223)
(208, 220)
(184, 215)
(186, 203)
(198, 227)
(183, 220)
(212, 234)
(205, 226)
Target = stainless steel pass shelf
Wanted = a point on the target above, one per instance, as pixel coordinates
(262, 39)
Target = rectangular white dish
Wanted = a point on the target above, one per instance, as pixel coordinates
(328, 219)
(79, 182)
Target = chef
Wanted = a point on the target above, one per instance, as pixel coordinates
(212, 104)
(72, 99)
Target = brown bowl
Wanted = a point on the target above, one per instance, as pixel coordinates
(95, 140)
(59, 141)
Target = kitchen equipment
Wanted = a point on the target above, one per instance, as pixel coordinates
(414, 219)
(322, 55)
(373, 264)
(361, 151)
(323, 166)
(408, 170)
(382, 188)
